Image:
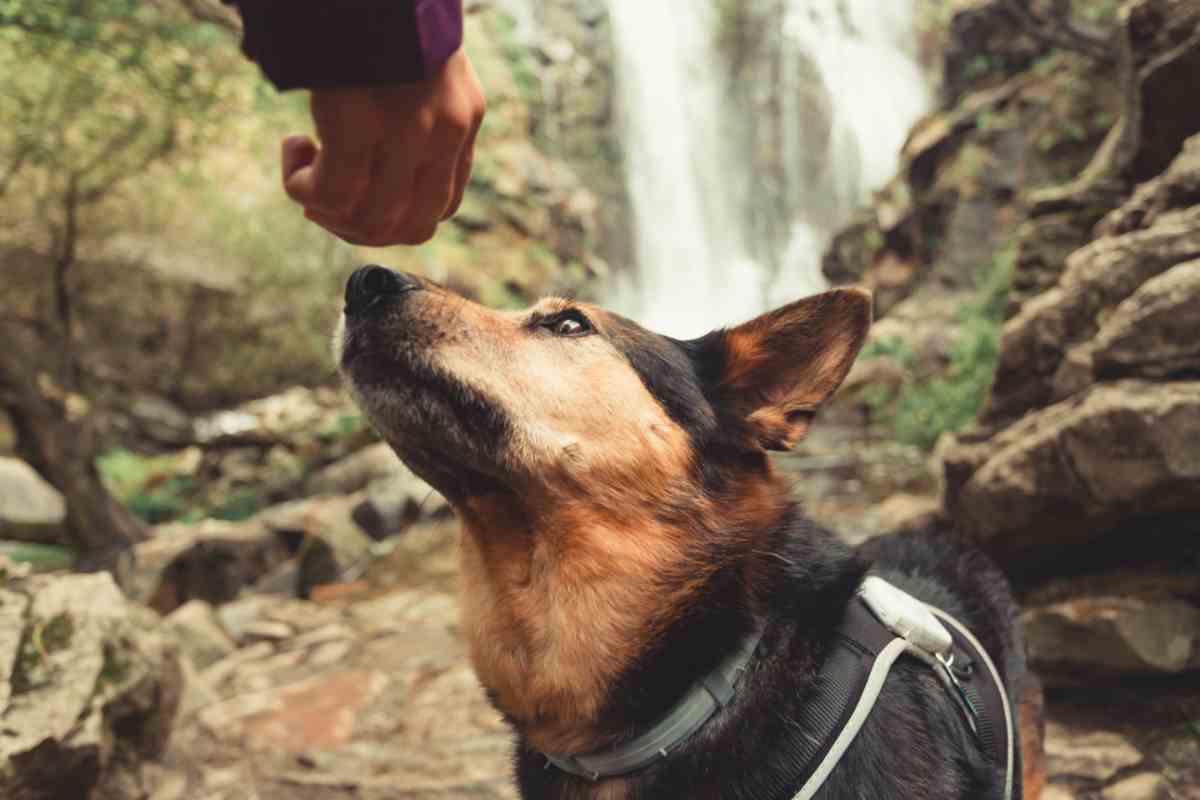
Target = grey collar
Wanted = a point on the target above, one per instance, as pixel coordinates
(709, 694)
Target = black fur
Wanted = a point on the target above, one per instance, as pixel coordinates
(914, 745)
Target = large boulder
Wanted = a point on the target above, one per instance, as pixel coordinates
(1115, 625)
(88, 689)
(30, 508)
(1079, 471)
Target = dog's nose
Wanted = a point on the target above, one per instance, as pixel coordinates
(368, 283)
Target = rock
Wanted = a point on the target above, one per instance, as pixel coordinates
(160, 421)
(394, 502)
(210, 561)
(95, 689)
(328, 542)
(1044, 242)
(903, 511)
(984, 31)
(1152, 232)
(354, 472)
(290, 547)
(1057, 792)
(1098, 276)
(372, 699)
(12, 617)
(1073, 472)
(1092, 755)
(1152, 334)
(267, 630)
(198, 633)
(1097, 738)
(30, 508)
(1144, 786)
(302, 419)
(314, 714)
(1114, 625)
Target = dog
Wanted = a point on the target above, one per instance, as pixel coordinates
(623, 529)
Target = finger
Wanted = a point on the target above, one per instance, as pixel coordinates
(433, 190)
(462, 173)
(335, 179)
(392, 191)
(297, 151)
(341, 229)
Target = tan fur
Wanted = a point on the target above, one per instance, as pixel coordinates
(569, 576)
(1031, 720)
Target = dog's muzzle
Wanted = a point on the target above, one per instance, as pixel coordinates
(367, 285)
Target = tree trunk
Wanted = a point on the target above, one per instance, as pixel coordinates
(56, 436)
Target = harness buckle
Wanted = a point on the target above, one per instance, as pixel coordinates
(951, 670)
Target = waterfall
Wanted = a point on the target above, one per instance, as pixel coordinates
(737, 185)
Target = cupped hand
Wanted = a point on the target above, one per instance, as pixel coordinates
(392, 161)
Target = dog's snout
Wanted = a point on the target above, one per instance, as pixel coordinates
(372, 282)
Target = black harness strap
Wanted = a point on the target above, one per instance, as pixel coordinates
(852, 676)
(858, 643)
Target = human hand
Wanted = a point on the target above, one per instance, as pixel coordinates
(393, 161)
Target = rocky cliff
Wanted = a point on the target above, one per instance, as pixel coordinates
(1064, 186)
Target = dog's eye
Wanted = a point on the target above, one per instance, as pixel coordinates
(568, 323)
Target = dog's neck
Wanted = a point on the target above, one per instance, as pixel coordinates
(586, 624)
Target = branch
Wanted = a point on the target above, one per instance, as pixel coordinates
(14, 167)
(1062, 32)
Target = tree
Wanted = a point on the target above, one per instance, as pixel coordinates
(94, 93)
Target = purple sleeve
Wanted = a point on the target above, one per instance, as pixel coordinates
(327, 43)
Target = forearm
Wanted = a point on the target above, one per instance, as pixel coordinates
(341, 43)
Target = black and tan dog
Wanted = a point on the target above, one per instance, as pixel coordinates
(624, 530)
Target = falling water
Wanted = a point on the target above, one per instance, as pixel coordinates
(691, 170)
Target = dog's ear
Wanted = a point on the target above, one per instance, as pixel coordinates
(775, 371)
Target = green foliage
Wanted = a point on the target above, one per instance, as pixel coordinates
(95, 91)
(42, 638)
(41, 557)
(520, 61)
(1096, 12)
(344, 427)
(923, 409)
(893, 348)
(150, 487)
(165, 502)
(145, 485)
(242, 504)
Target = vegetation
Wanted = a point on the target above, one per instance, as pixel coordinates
(159, 489)
(926, 407)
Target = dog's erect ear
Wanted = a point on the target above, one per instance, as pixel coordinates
(776, 370)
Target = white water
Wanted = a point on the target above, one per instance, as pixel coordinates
(695, 268)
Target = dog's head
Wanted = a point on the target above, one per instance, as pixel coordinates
(567, 398)
(604, 474)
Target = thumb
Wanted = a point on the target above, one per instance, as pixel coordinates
(298, 154)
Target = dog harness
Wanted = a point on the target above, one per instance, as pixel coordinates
(881, 624)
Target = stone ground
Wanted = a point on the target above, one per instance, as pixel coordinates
(365, 691)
